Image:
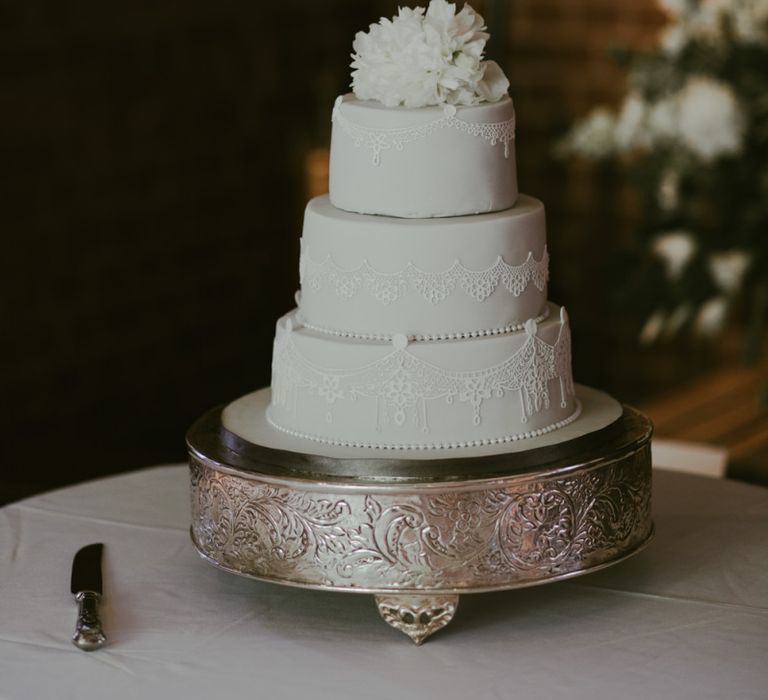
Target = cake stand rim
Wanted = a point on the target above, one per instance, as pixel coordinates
(220, 453)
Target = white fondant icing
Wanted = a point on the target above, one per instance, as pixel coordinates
(435, 165)
(375, 275)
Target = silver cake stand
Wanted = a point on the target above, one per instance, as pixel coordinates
(417, 533)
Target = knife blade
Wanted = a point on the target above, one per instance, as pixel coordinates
(86, 586)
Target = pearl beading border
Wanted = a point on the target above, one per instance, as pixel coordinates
(426, 337)
(430, 446)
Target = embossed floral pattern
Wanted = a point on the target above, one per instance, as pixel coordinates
(486, 535)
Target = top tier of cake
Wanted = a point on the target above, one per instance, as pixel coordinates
(422, 163)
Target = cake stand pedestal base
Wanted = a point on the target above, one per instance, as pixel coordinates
(418, 616)
(417, 533)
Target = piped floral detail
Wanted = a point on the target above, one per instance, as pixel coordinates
(329, 389)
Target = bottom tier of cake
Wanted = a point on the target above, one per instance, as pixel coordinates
(430, 395)
(246, 420)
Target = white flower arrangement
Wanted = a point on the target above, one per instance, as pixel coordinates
(703, 119)
(419, 58)
(693, 130)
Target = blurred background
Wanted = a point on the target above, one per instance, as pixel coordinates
(157, 158)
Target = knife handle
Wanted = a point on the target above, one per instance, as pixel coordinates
(88, 633)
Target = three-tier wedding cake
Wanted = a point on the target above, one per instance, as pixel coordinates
(422, 436)
(423, 323)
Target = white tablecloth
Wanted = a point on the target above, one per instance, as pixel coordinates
(686, 618)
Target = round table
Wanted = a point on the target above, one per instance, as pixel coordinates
(686, 618)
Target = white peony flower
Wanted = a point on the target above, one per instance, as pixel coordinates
(423, 58)
(728, 269)
(382, 57)
(631, 127)
(592, 137)
(711, 122)
(652, 328)
(668, 194)
(675, 248)
(711, 316)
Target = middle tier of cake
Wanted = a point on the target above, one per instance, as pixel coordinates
(423, 395)
(375, 276)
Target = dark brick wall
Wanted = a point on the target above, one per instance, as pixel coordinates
(152, 205)
(153, 190)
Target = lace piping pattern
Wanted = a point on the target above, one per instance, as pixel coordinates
(402, 383)
(378, 140)
(434, 287)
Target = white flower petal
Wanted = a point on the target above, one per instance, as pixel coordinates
(728, 269)
(675, 248)
(592, 137)
(632, 127)
(711, 316)
(673, 39)
(677, 319)
(652, 328)
(711, 123)
(494, 84)
(662, 120)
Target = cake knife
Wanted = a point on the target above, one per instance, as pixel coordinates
(86, 587)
